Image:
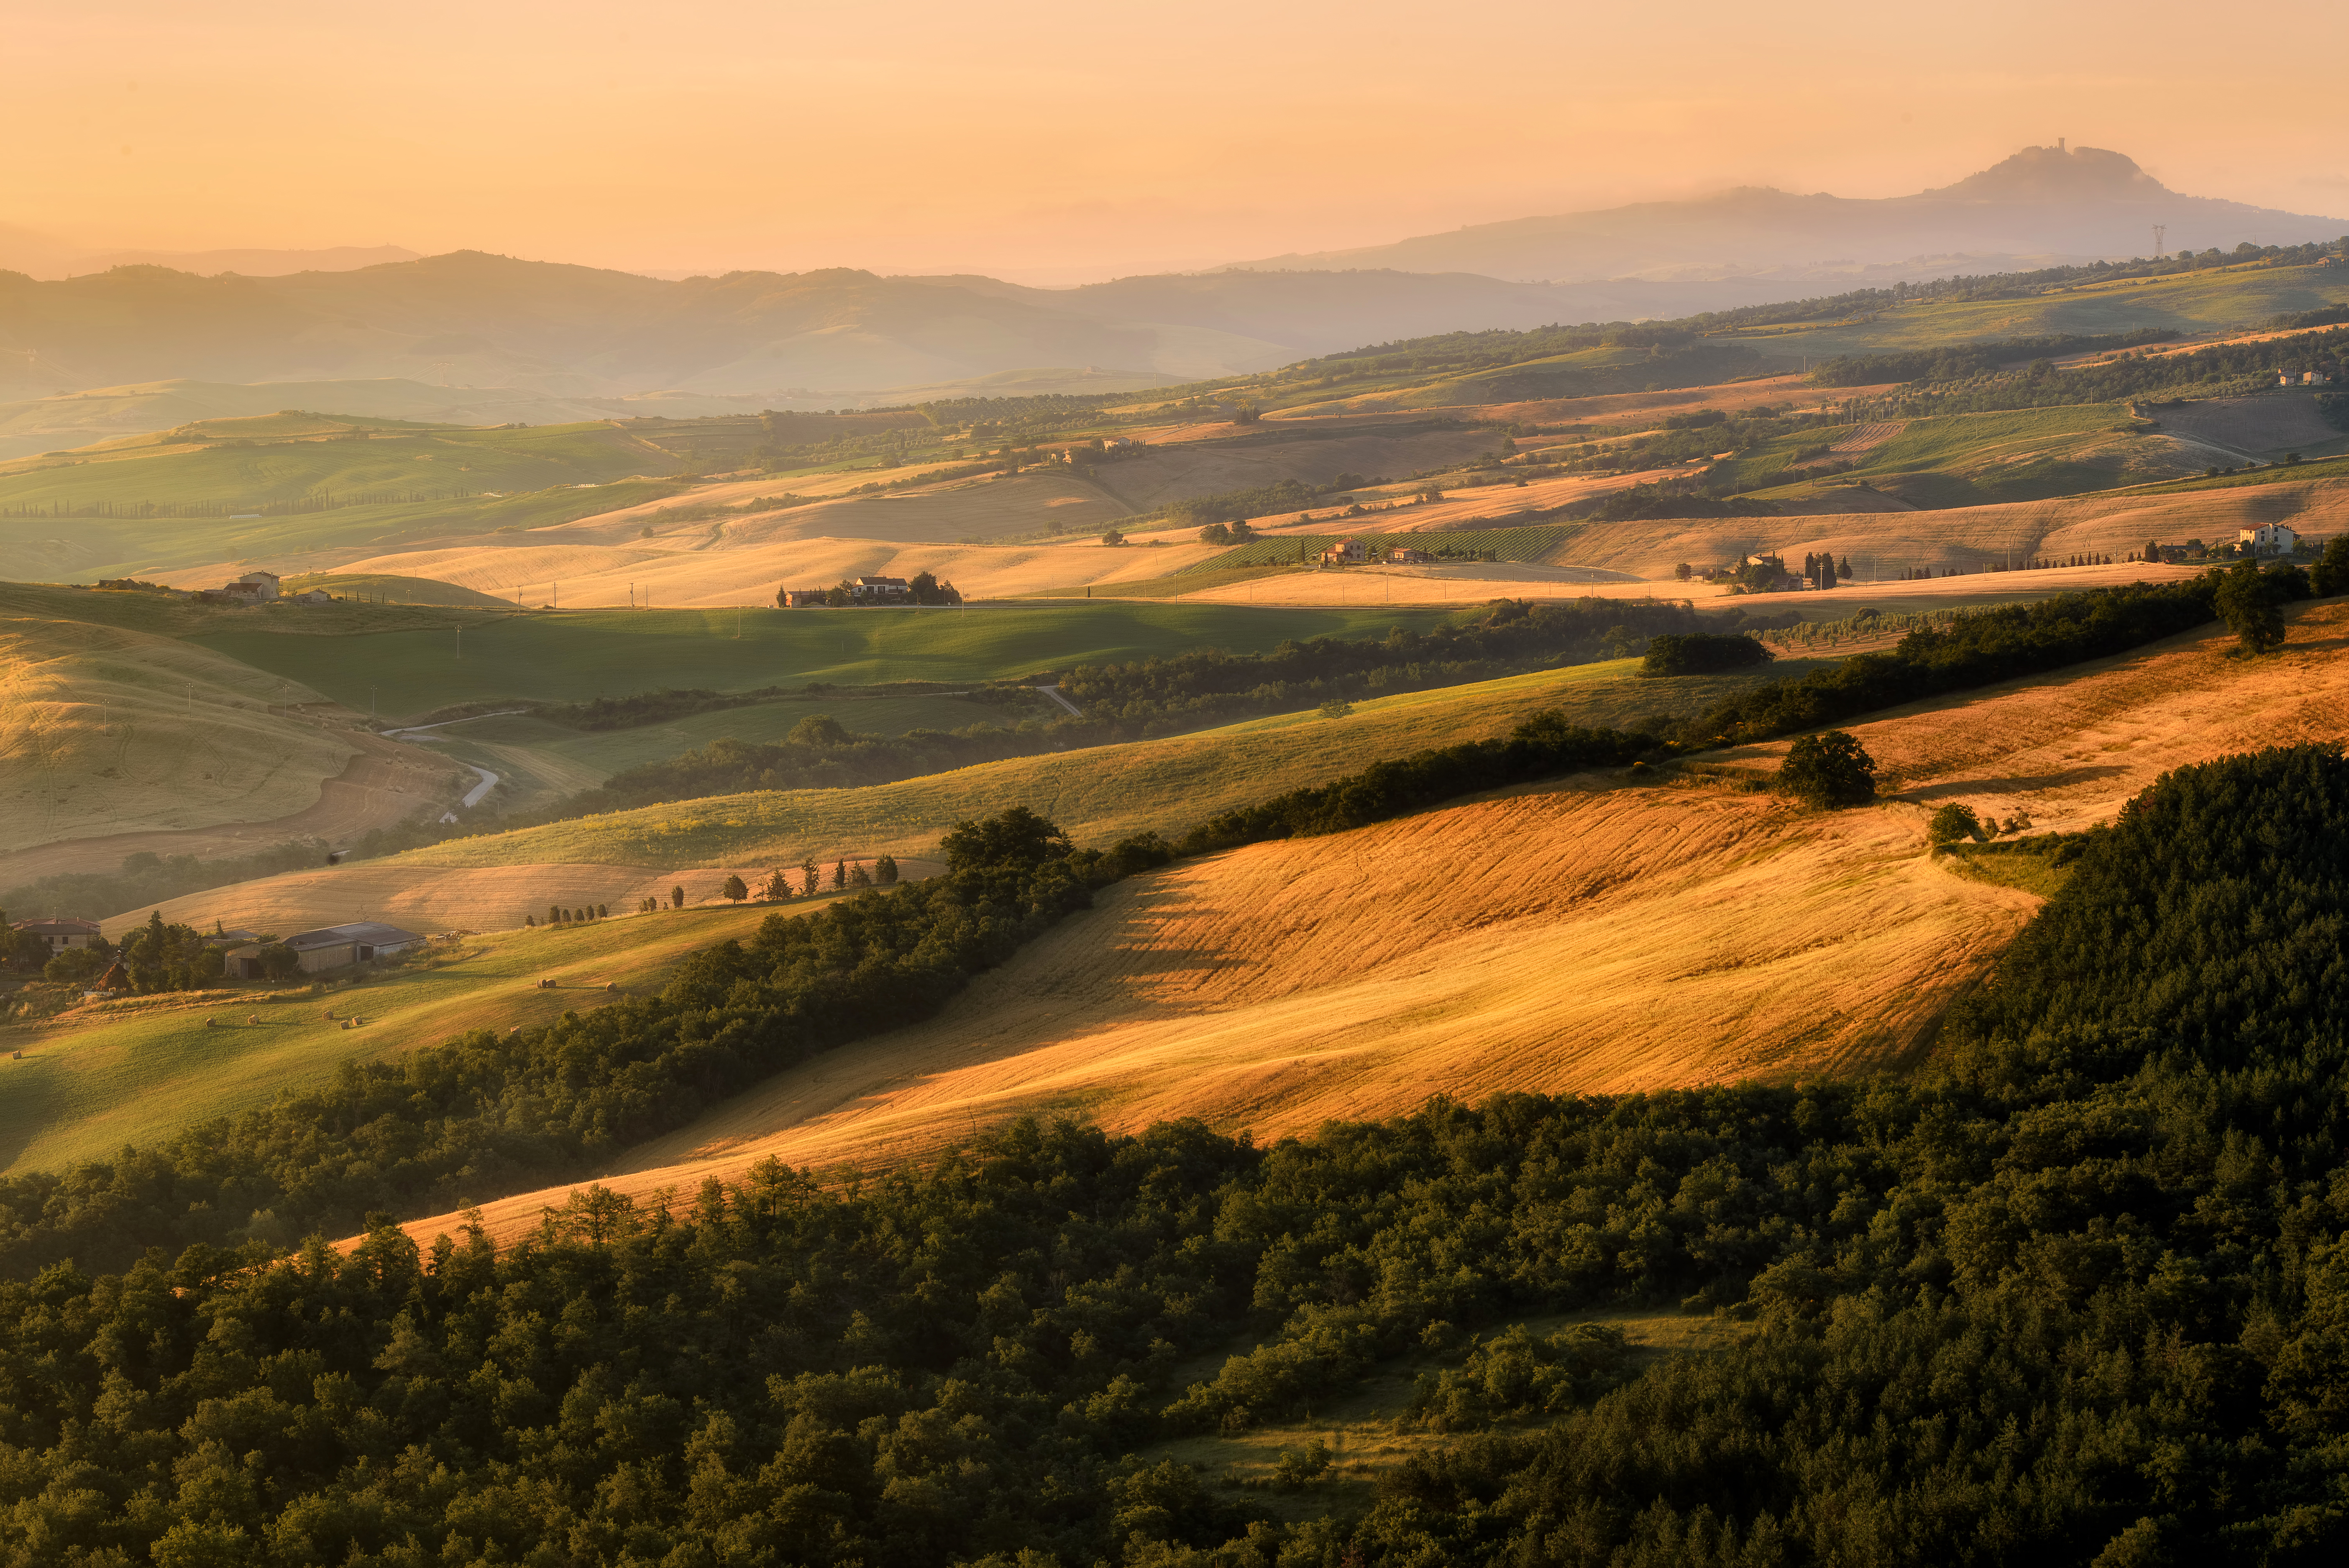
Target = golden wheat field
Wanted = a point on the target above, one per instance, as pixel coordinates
(108, 735)
(1588, 934)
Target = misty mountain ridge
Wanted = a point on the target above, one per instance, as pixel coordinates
(2044, 206)
(842, 336)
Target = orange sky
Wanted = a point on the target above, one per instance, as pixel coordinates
(1055, 142)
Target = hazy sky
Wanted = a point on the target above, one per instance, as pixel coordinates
(1055, 140)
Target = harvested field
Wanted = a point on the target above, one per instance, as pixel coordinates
(383, 784)
(749, 574)
(2235, 428)
(1179, 471)
(108, 731)
(1629, 937)
(2115, 524)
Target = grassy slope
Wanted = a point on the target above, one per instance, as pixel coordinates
(1977, 459)
(1097, 795)
(574, 657)
(2198, 302)
(87, 1085)
(105, 729)
(280, 459)
(545, 760)
(393, 590)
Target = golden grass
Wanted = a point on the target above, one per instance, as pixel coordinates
(106, 730)
(1586, 935)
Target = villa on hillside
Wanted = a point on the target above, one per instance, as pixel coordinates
(880, 590)
(1347, 552)
(253, 588)
(2268, 538)
(61, 935)
(341, 946)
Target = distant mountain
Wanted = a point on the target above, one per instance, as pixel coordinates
(249, 262)
(823, 338)
(44, 256)
(2044, 204)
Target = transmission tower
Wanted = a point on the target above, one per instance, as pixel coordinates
(2158, 231)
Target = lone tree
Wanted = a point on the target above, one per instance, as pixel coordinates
(1828, 769)
(734, 891)
(2249, 603)
(1952, 822)
(676, 898)
(884, 870)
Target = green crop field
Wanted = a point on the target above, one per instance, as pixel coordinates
(545, 761)
(1098, 794)
(2190, 303)
(1972, 460)
(391, 590)
(148, 1068)
(574, 656)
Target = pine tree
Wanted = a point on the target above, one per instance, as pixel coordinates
(811, 880)
(858, 876)
(840, 875)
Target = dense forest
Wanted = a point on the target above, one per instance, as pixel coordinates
(2078, 1291)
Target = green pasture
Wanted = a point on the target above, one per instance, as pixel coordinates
(84, 549)
(267, 467)
(142, 1071)
(1097, 794)
(392, 590)
(2190, 303)
(1973, 460)
(545, 760)
(573, 655)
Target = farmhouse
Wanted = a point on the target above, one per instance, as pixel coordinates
(805, 598)
(2268, 538)
(1347, 551)
(1404, 555)
(880, 590)
(339, 947)
(61, 935)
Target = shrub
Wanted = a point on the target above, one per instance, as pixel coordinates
(1830, 769)
(1701, 653)
(1952, 822)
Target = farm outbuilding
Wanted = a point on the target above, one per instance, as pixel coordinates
(341, 946)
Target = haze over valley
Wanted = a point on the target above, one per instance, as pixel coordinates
(1265, 789)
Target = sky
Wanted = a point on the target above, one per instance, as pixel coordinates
(1057, 142)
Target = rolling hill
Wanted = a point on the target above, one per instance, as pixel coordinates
(1593, 934)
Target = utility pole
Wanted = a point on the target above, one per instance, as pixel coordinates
(460, 641)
